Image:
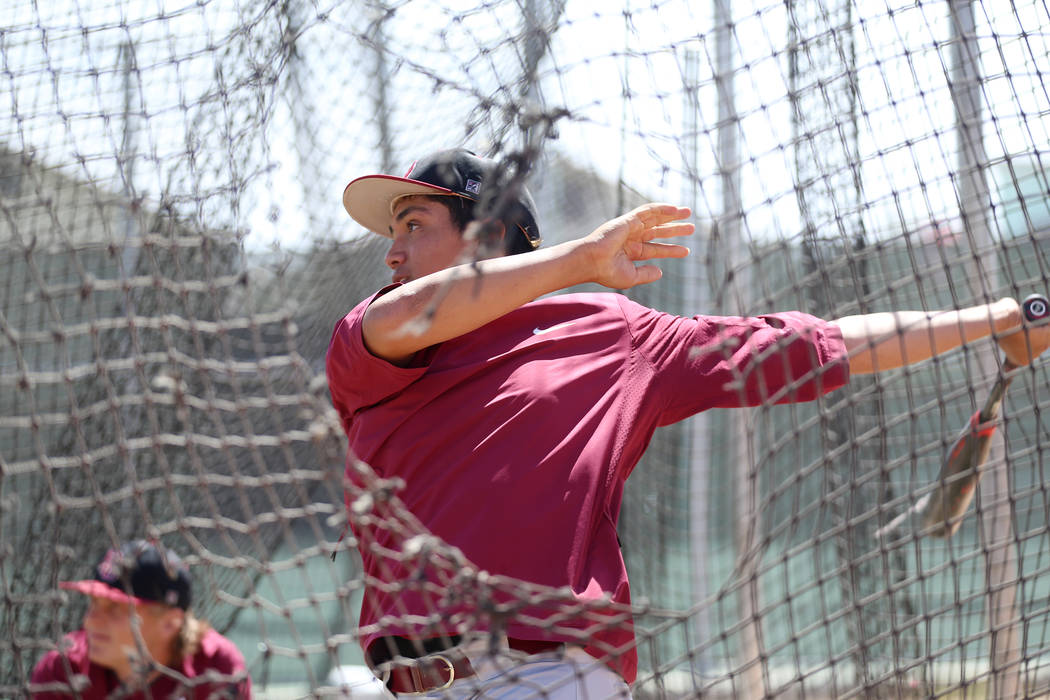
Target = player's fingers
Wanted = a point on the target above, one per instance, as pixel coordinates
(1031, 339)
(653, 251)
(1025, 344)
(647, 273)
(657, 213)
(670, 230)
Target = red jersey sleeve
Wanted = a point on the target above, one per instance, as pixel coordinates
(357, 378)
(728, 362)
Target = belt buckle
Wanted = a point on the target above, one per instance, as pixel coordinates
(451, 672)
(421, 687)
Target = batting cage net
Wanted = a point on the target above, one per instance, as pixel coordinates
(174, 255)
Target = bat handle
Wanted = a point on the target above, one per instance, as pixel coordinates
(1036, 307)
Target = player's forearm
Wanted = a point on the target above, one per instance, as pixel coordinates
(883, 341)
(460, 299)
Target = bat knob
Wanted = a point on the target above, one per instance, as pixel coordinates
(1035, 307)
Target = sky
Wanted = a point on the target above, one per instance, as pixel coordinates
(239, 153)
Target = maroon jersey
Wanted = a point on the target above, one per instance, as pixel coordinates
(514, 441)
(71, 667)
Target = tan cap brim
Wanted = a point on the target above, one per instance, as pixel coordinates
(369, 200)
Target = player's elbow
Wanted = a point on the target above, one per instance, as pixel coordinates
(386, 332)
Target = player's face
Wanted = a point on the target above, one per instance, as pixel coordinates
(426, 239)
(111, 641)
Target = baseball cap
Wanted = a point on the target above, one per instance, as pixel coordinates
(138, 572)
(370, 199)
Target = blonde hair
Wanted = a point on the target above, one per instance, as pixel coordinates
(188, 641)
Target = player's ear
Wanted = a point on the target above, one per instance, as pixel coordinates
(495, 237)
(487, 236)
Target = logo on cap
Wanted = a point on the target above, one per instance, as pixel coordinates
(473, 186)
(110, 567)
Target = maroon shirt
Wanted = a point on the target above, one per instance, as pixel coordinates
(514, 441)
(216, 654)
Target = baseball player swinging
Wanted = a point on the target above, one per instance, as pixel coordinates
(514, 418)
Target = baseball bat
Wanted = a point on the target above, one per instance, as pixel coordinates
(961, 471)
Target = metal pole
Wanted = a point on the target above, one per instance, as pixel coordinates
(995, 517)
(699, 425)
(747, 523)
(382, 106)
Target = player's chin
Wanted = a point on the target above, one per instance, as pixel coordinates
(101, 654)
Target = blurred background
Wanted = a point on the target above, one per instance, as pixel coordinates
(174, 255)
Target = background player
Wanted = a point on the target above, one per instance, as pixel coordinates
(139, 638)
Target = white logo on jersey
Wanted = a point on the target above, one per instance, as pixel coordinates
(541, 331)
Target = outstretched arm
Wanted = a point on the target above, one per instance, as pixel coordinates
(883, 341)
(465, 297)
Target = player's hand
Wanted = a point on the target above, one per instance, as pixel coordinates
(1026, 341)
(615, 246)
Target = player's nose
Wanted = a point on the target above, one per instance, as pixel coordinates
(395, 256)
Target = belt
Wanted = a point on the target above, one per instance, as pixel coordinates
(421, 666)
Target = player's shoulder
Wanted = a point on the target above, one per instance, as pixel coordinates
(599, 308)
(348, 327)
(583, 301)
(71, 655)
(218, 654)
(358, 310)
(215, 649)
